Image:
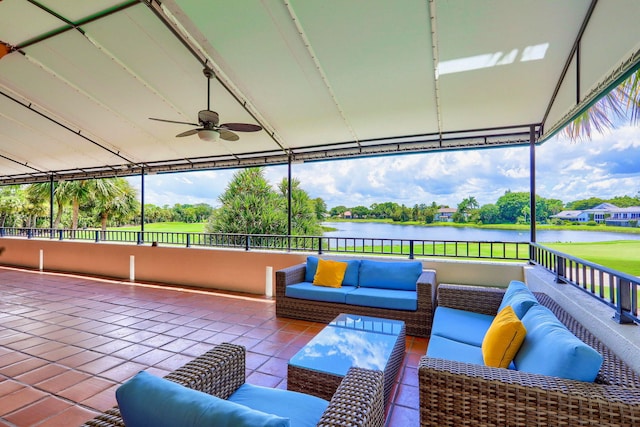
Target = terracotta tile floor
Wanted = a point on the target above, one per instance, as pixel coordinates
(67, 342)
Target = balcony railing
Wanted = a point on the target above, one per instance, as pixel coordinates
(618, 290)
(517, 251)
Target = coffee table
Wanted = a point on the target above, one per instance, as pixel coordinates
(349, 340)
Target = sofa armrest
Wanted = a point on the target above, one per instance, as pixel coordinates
(289, 276)
(219, 372)
(358, 401)
(455, 393)
(479, 299)
(426, 289)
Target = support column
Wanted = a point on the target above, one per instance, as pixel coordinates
(142, 201)
(289, 198)
(532, 186)
(51, 201)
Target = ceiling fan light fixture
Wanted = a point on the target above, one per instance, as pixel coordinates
(209, 135)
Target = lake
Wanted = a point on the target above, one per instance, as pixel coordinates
(407, 232)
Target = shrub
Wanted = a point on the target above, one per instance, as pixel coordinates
(592, 223)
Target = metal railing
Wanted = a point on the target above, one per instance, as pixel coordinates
(618, 290)
(517, 251)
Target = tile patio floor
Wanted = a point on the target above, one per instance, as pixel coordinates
(67, 342)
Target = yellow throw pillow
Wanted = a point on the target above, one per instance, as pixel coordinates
(503, 339)
(330, 273)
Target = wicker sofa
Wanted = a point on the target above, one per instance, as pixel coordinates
(418, 322)
(358, 401)
(455, 393)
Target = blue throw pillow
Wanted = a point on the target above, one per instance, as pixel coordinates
(147, 400)
(401, 275)
(519, 297)
(549, 348)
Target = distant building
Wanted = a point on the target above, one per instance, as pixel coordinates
(604, 213)
(347, 214)
(445, 214)
(573, 216)
(625, 217)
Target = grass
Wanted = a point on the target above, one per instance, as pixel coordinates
(175, 227)
(621, 255)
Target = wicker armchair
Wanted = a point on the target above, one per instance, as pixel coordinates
(418, 323)
(454, 393)
(358, 401)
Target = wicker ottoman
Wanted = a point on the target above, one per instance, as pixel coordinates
(349, 340)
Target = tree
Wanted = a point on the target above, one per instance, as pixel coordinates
(117, 199)
(360, 212)
(320, 207)
(10, 203)
(249, 206)
(489, 214)
(510, 205)
(621, 102)
(304, 220)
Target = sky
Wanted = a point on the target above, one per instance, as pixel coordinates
(605, 166)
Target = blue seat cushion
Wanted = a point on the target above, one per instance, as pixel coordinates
(464, 326)
(146, 400)
(384, 298)
(519, 297)
(303, 410)
(351, 276)
(549, 348)
(444, 348)
(305, 290)
(401, 276)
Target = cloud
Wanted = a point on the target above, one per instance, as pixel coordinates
(606, 166)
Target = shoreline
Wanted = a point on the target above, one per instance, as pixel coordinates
(520, 227)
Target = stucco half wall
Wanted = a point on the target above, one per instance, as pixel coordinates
(225, 269)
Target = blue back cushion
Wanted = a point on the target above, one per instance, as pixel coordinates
(147, 400)
(549, 348)
(350, 276)
(390, 275)
(519, 297)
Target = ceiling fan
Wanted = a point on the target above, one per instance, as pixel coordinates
(210, 128)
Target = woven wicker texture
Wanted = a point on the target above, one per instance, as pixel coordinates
(220, 371)
(454, 393)
(324, 385)
(418, 323)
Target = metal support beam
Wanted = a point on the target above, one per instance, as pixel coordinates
(289, 199)
(532, 182)
(51, 201)
(142, 200)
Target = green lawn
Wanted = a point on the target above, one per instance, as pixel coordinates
(621, 255)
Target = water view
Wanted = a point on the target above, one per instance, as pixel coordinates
(382, 230)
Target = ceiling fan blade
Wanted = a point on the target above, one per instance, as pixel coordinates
(227, 135)
(174, 121)
(208, 116)
(187, 133)
(241, 127)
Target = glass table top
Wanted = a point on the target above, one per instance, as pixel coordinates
(349, 340)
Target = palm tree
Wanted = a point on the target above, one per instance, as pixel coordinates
(622, 102)
(42, 191)
(115, 198)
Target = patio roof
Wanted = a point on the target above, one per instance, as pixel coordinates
(327, 79)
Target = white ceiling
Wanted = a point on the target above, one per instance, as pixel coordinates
(326, 79)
